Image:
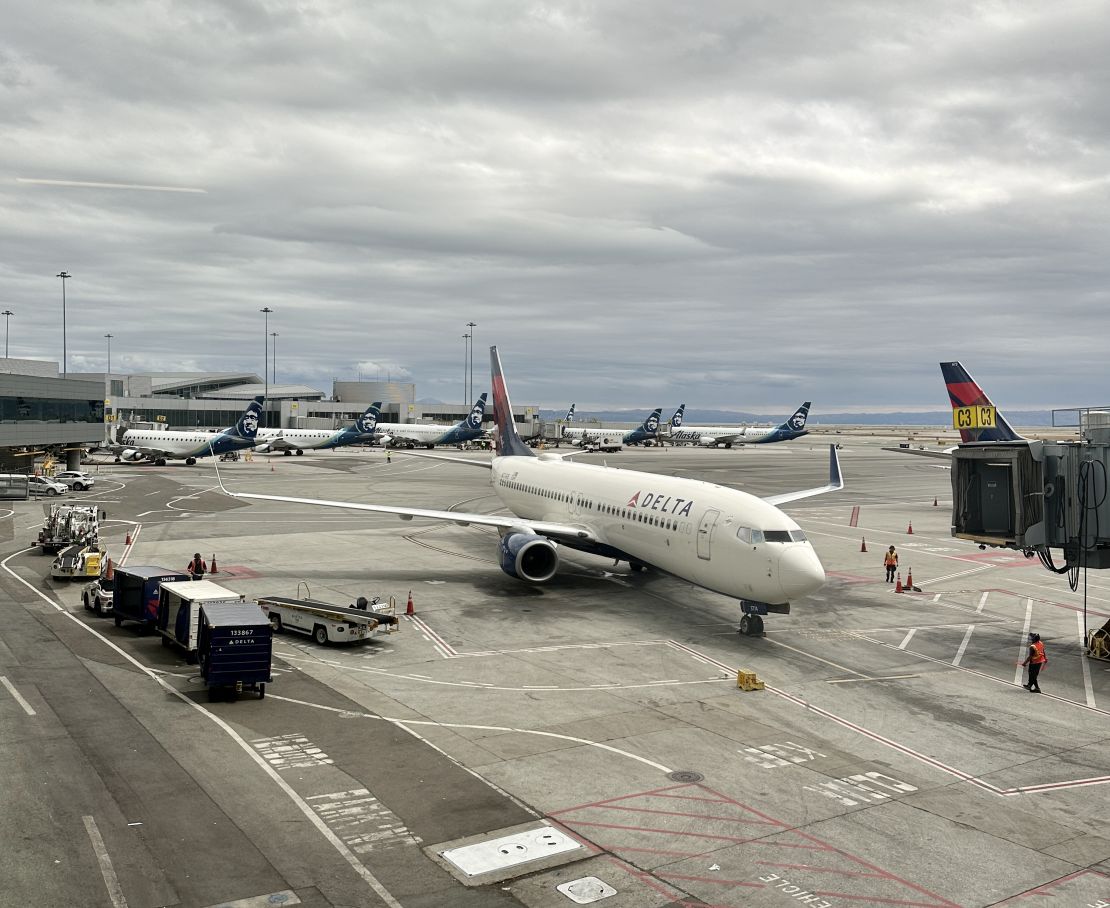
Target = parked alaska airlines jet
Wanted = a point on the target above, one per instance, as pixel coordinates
(711, 436)
(300, 440)
(431, 434)
(136, 445)
(612, 439)
(964, 391)
(715, 537)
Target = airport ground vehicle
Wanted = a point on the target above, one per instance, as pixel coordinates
(41, 485)
(97, 596)
(229, 456)
(327, 623)
(69, 524)
(234, 647)
(13, 486)
(75, 479)
(135, 593)
(179, 611)
(77, 562)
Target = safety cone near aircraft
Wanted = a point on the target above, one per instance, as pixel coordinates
(898, 586)
(409, 608)
(909, 578)
(909, 530)
(215, 570)
(934, 502)
(863, 543)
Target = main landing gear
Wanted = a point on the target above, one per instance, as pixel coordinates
(189, 461)
(751, 626)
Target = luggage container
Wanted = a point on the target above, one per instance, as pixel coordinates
(179, 605)
(234, 648)
(135, 597)
(328, 623)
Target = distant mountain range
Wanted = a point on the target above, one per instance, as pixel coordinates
(733, 417)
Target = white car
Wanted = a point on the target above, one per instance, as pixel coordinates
(75, 479)
(41, 485)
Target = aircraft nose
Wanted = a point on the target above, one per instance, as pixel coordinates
(800, 572)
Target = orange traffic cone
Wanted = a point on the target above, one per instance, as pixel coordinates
(898, 585)
(127, 541)
(271, 466)
(215, 570)
(863, 544)
(110, 570)
(909, 578)
(909, 530)
(934, 502)
(409, 608)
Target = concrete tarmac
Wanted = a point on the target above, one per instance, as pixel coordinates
(893, 758)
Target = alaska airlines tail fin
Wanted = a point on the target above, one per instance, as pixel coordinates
(570, 415)
(650, 426)
(247, 425)
(964, 391)
(676, 420)
(366, 423)
(797, 422)
(509, 442)
(474, 420)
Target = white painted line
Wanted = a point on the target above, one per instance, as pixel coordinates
(882, 678)
(1023, 647)
(982, 602)
(17, 696)
(963, 645)
(349, 856)
(115, 893)
(1085, 662)
(906, 640)
(936, 598)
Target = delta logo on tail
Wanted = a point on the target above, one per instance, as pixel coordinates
(964, 391)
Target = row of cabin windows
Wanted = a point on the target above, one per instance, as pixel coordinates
(666, 523)
(754, 537)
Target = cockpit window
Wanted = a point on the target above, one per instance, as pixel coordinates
(750, 536)
(797, 535)
(777, 535)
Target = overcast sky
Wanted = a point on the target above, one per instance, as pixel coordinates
(738, 205)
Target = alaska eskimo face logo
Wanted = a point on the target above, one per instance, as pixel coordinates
(676, 420)
(367, 422)
(474, 420)
(798, 420)
(249, 422)
(652, 424)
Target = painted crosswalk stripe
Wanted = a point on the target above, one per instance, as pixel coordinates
(17, 696)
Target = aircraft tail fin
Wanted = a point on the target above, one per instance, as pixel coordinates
(650, 426)
(570, 415)
(247, 424)
(368, 421)
(797, 422)
(964, 391)
(476, 415)
(676, 420)
(509, 442)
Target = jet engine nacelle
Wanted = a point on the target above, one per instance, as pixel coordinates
(526, 555)
(264, 449)
(706, 442)
(384, 440)
(132, 456)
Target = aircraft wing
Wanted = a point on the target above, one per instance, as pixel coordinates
(943, 453)
(554, 531)
(835, 483)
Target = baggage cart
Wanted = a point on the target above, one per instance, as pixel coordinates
(234, 648)
(135, 597)
(327, 623)
(179, 605)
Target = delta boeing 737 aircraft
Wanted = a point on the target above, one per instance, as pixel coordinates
(715, 537)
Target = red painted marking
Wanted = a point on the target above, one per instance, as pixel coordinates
(695, 835)
(879, 900)
(241, 571)
(709, 879)
(854, 522)
(696, 816)
(816, 869)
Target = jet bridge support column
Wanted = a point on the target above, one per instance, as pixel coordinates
(73, 459)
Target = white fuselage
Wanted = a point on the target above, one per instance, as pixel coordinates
(171, 444)
(293, 439)
(612, 438)
(696, 530)
(720, 434)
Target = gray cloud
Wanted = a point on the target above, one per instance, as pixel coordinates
(731, 205)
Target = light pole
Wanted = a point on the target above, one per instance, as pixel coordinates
(7, 313)
(64, 275)
(273, 359)
(470, 396)
(466, 360)
(109, 337)
(266, 310)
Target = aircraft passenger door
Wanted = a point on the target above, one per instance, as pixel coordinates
(705, 532)
(575, 503)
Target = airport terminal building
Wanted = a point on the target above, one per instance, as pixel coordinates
(45, 411)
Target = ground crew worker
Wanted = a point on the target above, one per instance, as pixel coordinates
(1036, 660)
(197, 568)
(891, 564)
(387, 457)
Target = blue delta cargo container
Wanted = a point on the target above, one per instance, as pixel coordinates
(234, 648)
(135, 597)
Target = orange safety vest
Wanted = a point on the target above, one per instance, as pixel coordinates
(1037, 655)
(891, 558)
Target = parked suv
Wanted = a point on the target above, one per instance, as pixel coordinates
(75, 479)
(40, 485)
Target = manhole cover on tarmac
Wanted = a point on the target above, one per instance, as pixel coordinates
(587, 890)
(685, 775)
